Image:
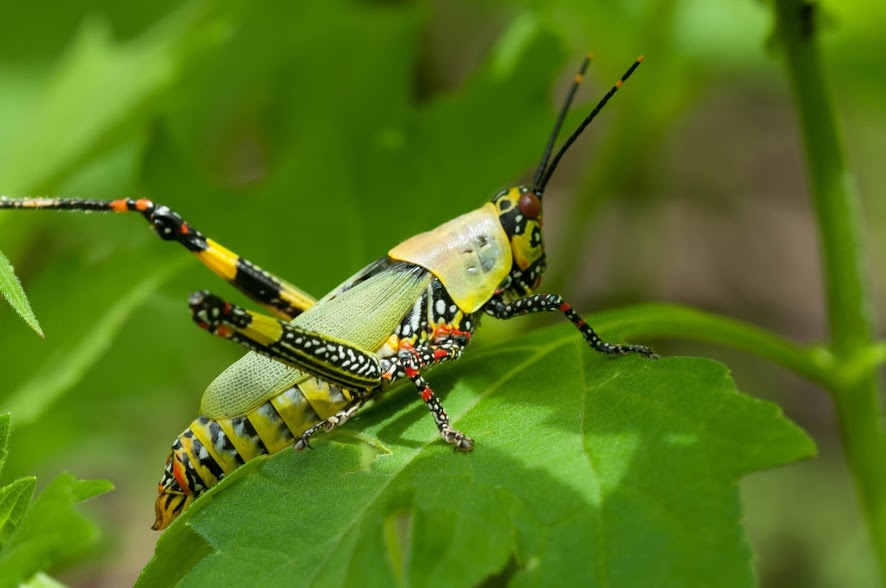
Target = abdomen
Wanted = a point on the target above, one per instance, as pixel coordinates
(209, 449)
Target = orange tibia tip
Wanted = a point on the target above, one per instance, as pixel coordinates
(641, 58)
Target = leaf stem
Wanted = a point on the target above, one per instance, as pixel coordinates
(674, 321)
(837, 207)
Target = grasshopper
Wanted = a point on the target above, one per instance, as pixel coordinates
(313, 364)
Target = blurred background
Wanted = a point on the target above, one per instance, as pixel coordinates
(311, 137)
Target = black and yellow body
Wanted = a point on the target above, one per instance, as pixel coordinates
(313, 364)
(209, 449)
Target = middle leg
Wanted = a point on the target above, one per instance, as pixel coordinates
(409, 362)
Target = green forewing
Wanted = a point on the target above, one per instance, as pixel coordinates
(364, 314)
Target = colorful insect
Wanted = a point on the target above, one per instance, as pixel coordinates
(314, 364)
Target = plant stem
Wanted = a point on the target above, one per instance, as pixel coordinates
(673, 321)
(837, 209)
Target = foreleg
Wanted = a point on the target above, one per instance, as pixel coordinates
(554, 302)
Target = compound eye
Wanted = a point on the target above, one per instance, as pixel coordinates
(529, 205)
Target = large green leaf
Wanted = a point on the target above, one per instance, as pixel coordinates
(587, 471)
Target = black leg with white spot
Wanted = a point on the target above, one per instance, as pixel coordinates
(459, 440)
(554, 302)
(408, 362)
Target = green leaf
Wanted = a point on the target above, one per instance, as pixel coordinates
(41, 580)
(14, 497)
(49, 531)
(5, 432)
(586, 471)
(13, 292)
(52, 532)
(14, 501)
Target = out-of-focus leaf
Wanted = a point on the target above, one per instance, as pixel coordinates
(14, 497)
(587, 471)
(41, 580)
(52, 532)
(14, 501)
(13, 292)
(47, 533)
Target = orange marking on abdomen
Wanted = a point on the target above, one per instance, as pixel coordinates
(143, 204)
(119, 205)
(178, 470)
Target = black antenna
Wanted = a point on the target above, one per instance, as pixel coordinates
(540, 186)
(546, 155)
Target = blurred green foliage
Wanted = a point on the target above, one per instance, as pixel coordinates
(310, 137)
(47, 532)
